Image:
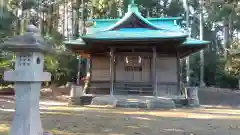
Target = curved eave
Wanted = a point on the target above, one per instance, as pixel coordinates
(145, 21)
(133, 38)
(191, 46)
(164, 18)
(78, 43)
(136, 42)
(155, 22)
(134, 34)
(190, 42)
(149, 19)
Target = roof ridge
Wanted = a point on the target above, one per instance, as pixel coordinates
(129, 14)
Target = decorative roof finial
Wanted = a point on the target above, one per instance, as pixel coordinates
(133, 1)
(132, 7)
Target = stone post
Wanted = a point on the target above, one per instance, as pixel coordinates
(28, 76)
(76, 91)
(192, 96)
(239, 84)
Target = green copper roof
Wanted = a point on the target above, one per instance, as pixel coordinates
(134, 16)
(78, 41)
(135, 27)
(127, 16)
(160, 23)
(149, 19)
(133, 11)
(191, 42)
(135, 33)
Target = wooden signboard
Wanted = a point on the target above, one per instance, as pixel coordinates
(83, 55)
(217, 1)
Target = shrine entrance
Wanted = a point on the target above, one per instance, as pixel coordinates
(133, 74)
(138, 67)
(133, 68)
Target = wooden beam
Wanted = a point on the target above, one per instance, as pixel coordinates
(79, 69)
(154, 70)
(114, 67)
(84, 55)
(134, 54)
(111, 70)
(90, 69)
(133, 47)
(178, 73)
(88, 65)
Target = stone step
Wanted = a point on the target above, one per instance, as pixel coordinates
(134, 89)
(150, 104)
(133, 85)
(180, 101)
(132, 92)
(131, 104)
(160, 103)
(83, 100)
(105, 100)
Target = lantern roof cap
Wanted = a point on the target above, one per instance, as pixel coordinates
(30, 41)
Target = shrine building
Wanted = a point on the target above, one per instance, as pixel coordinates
(135, 55)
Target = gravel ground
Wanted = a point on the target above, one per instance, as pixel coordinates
(218, 116)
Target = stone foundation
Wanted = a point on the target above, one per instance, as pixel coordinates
(134, 101)
(105, 101)
(83, 100)
(157, 103)
(192, 96)
(74, 101)
(75, 94)
(76, 91)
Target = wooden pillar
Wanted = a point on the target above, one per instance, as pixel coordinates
(154, 73)
(79, 69)
(115, 67)
(111, 70)
(90, 69)
(178, 74)
(87, 66)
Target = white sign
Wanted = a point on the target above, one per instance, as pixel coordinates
(217, 1)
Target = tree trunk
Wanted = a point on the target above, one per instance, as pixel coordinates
(148, 13)
(226, 37)
(50, 22)
(76, 29)
(53, 87)
(230, 25)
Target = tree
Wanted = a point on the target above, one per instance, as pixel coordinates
(60, 20)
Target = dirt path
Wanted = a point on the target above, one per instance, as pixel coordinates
(65, 120)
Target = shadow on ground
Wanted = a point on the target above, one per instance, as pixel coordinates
(72, 120)
(219, 116)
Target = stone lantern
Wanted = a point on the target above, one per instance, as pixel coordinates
(28, 76)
